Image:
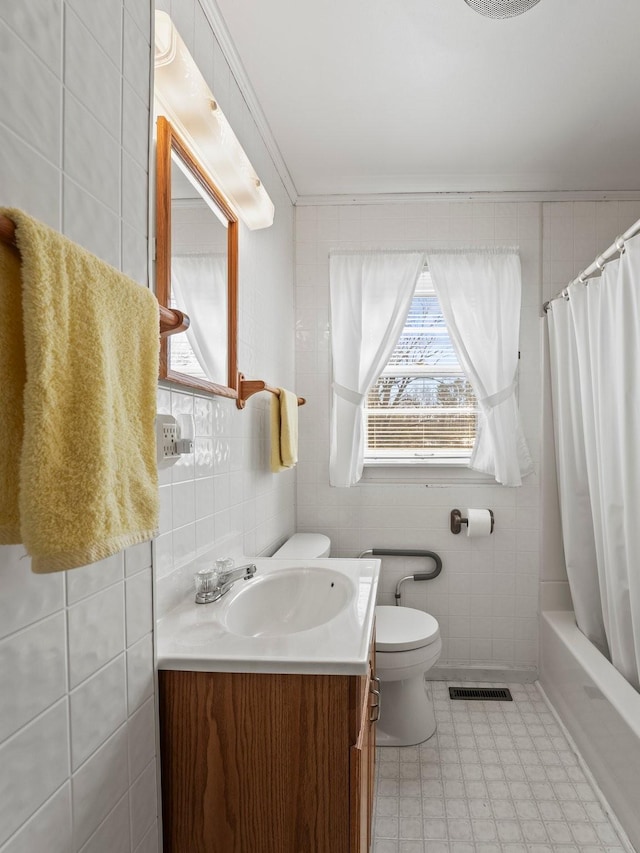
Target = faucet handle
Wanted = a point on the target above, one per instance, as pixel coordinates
(206, 582)
(224, 564)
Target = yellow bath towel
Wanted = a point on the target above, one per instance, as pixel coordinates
(284, 431)
(78, 376)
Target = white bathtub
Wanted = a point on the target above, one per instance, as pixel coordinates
(601, 711)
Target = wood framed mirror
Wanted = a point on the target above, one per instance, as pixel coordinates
(196, 268)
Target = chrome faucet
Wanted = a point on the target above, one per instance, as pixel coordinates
(212, 584)
(227, 578)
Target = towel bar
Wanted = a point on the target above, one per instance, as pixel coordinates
(248, 387)
(172, 321)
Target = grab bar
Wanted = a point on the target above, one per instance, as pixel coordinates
(402, 552)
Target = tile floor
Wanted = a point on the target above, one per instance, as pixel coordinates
(496, 777)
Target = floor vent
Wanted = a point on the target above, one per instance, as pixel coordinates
(482, 694)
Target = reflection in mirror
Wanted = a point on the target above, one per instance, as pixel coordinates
(196, 269)
(198, 278)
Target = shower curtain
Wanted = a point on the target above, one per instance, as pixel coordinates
(595, 361)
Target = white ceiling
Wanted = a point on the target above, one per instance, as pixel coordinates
(390, 96)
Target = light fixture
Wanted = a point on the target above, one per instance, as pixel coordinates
(182, 94)
(501, 8)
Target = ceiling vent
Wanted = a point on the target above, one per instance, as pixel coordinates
(501, 8)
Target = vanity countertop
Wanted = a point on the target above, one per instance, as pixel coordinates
(224, 636)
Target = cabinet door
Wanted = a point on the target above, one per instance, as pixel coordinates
(363, 763)
(256, 763)
(360, 781)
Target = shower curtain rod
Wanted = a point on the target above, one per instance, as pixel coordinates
(616, 248)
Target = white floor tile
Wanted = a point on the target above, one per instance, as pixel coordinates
(496, 777)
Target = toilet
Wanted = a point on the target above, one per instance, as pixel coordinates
(408, 644)
(304, 546)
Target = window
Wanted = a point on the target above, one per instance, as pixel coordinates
(422, 408)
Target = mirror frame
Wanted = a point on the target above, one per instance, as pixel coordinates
(168, 141)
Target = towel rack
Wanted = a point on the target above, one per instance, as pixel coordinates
(248, 387)
(172, 321)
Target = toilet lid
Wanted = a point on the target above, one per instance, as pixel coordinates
(402, 628)
(304, 546)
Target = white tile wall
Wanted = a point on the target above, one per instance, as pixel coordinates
(141, 732)
(486, 598)
(87, 699)
(94, 718)
(222, 499)
(30, 78)
(140, 683)
(77, 735)
(101, 617)
(113, 833)
(39, 650)
(90, 74)
(48, 829)
(99, 784)
(35, 763)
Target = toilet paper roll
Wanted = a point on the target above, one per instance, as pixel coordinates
(479, 523)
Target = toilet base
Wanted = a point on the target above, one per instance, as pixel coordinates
(406, 713)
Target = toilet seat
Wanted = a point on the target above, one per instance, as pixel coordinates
(400, 629)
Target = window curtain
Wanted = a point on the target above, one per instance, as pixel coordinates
(370, 295)
(573, 483)
(605, 320)
(199, 288)
(479, 292)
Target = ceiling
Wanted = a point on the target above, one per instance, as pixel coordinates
(394, 96)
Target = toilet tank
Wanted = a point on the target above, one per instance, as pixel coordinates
(304, 546)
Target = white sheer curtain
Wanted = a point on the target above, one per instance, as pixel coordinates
(370, 295)
(605, 317)
(479, 292)
(199, 288)
(573, 483)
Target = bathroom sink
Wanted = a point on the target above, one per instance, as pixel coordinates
(310, 617)
(288, 602)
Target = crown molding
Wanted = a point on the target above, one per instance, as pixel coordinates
(222, 34)
(502, 196)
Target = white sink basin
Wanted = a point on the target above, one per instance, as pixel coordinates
(295, 616)
(288, 602)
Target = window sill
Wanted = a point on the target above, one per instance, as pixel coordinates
(446, 472)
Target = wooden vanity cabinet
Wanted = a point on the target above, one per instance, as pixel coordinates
(267, 763)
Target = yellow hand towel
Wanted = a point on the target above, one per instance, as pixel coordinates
(284, 431)
(78, 376)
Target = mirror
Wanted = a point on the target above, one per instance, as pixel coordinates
(196, 269)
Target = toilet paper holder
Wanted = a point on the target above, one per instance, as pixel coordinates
(457, 521)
